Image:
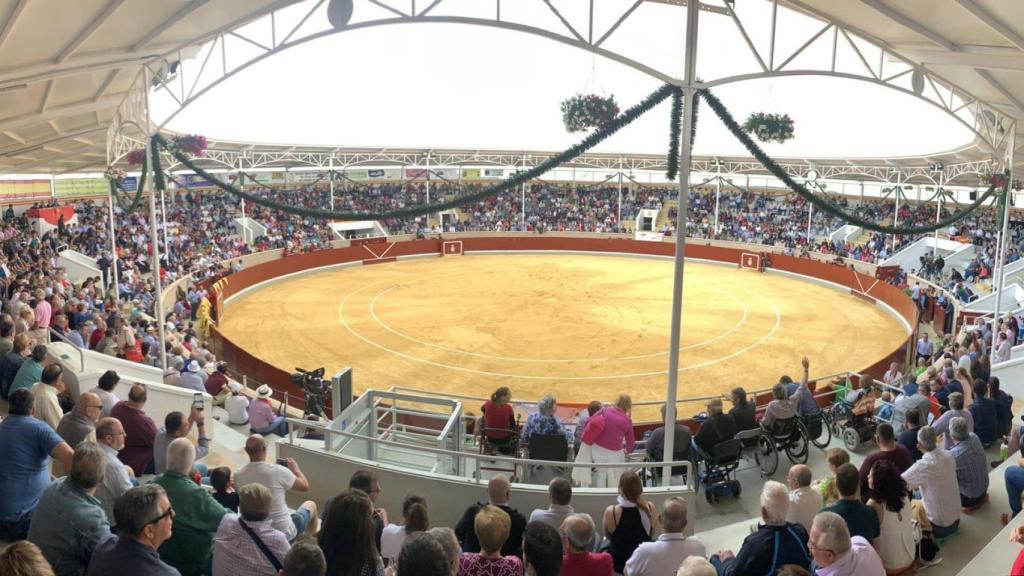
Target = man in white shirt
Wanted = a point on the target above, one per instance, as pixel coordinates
(237, 405)
(836, 553)
(278, 479)
(105, 390)
(667, 553)
(804, 501)
(938, 511)
(117, 478)
(45, 392)
(893, 377)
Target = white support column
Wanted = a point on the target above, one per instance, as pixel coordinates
(718, 195)
(810, 216)
(428, 193)
(1001, 246)
(163, 217)
(114, 280)
(241, 184)
(896, 215)
(689, 92)
(330, 178)
(151, 182)
(522, 191)
(618, 217)
(938, 213)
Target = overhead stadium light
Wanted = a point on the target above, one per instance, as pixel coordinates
(339, 12)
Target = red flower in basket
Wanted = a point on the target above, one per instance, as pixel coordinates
(191, 144)
(136, 157)
(997, 180)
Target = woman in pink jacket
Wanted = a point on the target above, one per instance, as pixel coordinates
(614, 441)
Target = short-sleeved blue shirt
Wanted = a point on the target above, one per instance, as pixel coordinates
(25, 447)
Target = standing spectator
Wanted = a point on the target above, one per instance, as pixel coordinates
(775, 543)
(888, 450)
(860, 519)
(924, 347)
(804, 501)
(956, 408)
(279, 479)
(31, 371)
(630, 522)
(908, 437)
(542, 550)
(938, 511)
(177, 426)
(105, 390)
(577, 534)
(492, 526)
(655, 448)
(198, 515)
(614, 441)
(79, 425)
(25, 452)
(262, 418)
(47, 392)
(422, 555)
(971, 468)
(24, 558)
(664, 555)
(415, 519)
(69, 522)
(499, 493)
(144, 519)
(117, 478)
(139, 429)
(235, 549)
(890, 499)
(544, 421)
(347, 537)
(984, 414)
(237, 405)
(893, 376)
(836, 553)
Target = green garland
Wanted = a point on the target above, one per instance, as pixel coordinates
(825, 205)
(117, 190)
(676, 130)
(587, 143)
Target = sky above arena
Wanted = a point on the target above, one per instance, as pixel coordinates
(461, 86)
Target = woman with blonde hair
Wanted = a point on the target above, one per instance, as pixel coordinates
(629, 522)
(24, 558)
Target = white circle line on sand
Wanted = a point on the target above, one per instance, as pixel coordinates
(344, 323)
(384, 325)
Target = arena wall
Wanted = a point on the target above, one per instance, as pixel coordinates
(387, 250)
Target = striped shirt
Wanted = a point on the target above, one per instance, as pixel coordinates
(971, 467)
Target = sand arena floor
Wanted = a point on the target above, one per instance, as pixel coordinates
(580, 327)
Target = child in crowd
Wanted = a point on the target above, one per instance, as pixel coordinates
(224, 488)
(836, 457)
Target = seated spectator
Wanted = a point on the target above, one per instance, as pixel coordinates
(542, 550)
(560, 497)
(144, 517)
(938, 511)
(217, 384)
(224, 488)
(835, 457)
(971, 469)
(544, 421)
(717, 428)
(31, 371)
(25, 452)
(191, 378)
(804, 501)
(415, 519)
(984, 414)
(860, 519)
(172, 376)
(24, 558)
(234, 546)
(888, 450)
(190, 548)
(47, 392)
(630, 522)
(667, 553)
(776, 542)
(278, 479)
(697, 566)
(1004, 407)
(743, 411)
(655, 448)
(117, 478)
(105, 390)
(499, 418)
(369, 483)
(177, 426)
(422, 555)
(908, 437)
(237, 405)
(69, 522)
(801, 393)
(347, 536)
(446, 538)
(11, 364)
(79, 425)
(956, 408)
(577, 534)
(491, 526)
(782, 407)
(139, 429)
(837, 553)
(304, 559)
(499, 492)
(890, 499)
(893, 376)
(262, 418)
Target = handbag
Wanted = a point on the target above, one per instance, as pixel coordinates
(259, 544)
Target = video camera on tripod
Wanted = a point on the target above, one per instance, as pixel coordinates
(315, 388)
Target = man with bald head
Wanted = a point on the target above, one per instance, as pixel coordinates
(667, 553)
(804, 501)
(80, 424)
(117, 478)
(279, 479)
(577, 532)
(499, 493)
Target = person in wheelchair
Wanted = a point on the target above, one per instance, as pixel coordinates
(782, 408)
(743, 411)
(717, 428)
(544, 421)
(655, 449)
(499, 421)
(801, 393)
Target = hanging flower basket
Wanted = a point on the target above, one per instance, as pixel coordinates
(114, 174)
(770, 127)
(191, 144)
(585, 111)
(136, 157)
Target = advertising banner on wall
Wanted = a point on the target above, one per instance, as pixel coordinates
(24, 189)
(355, 174)
(415, 173)
(444, 173)
(471, 173)
(308, 177)
(68, 187)
(130, 183)
(375, 173)
(494, 173)
(195, 181)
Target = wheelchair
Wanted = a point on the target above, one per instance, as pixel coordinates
(719, 467)
(853, 429)
(789, 435)
(819, 428)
